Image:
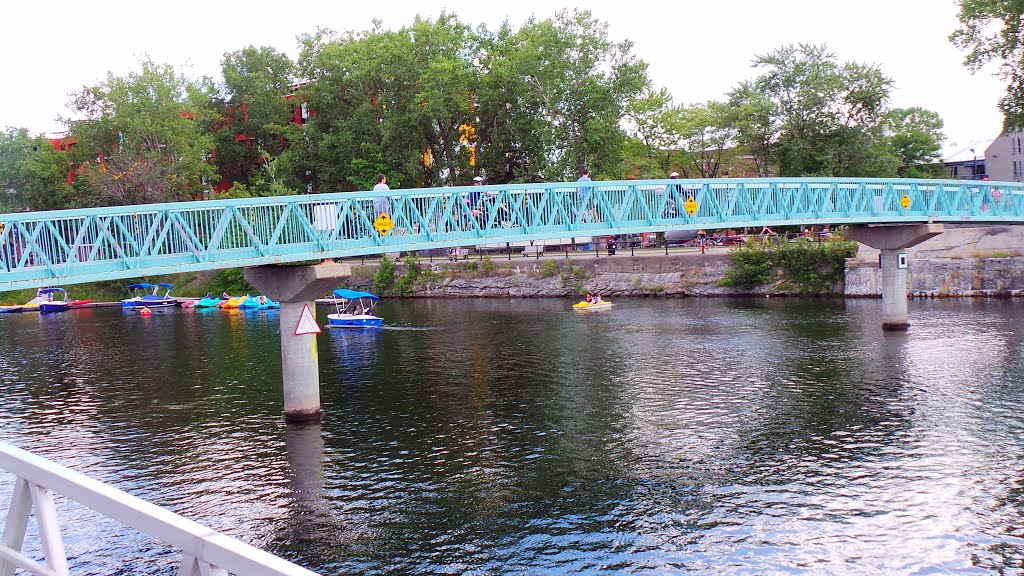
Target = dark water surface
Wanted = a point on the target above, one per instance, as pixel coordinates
(519, 437)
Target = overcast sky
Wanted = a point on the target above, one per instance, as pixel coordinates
(698, 49)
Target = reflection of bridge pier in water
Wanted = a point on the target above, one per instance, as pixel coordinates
(305, 445)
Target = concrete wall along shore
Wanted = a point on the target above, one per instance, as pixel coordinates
(962, 262)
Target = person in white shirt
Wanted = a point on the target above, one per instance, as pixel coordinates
(382, 204)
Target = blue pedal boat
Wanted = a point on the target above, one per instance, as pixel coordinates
(355, 310)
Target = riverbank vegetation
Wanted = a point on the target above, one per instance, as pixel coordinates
(800, 267)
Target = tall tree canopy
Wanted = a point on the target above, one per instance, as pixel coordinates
(32, 173)
(397, 102)
(252, 117)
(916, 136)
(140, 140)
(991, 31)
(438, 102)
(830, 114)
(567, 85)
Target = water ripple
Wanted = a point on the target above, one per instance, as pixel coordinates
(665, 436)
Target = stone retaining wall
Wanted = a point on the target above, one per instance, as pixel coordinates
(961, 262)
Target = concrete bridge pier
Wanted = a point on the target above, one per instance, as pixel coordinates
(296, 288)
(892, 239)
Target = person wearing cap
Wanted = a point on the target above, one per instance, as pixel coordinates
(674, 175)
(474, 196)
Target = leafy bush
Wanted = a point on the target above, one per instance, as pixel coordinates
(752, 265)
(488, 267)
(230, 280)
(548, 269)
(430, 278)
(806, 267)
(407, 283)
(384, 278)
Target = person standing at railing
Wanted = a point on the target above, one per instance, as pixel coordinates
(473, 200)
(672, 194)
(583, 193)
(382, 204)
(474, 195)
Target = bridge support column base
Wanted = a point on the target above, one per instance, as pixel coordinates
(892, 240)
(296, 287)
(894, 292)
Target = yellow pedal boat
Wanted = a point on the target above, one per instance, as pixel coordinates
(584, 305)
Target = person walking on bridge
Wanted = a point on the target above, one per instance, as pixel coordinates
(583, 194)
(382, 204)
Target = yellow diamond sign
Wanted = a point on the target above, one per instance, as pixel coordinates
(905, 201)
(383, 224)
(690, 206)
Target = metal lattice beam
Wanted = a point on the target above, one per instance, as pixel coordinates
(72, 246)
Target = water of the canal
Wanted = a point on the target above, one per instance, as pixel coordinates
(519, 437)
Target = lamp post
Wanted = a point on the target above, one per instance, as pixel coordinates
(974, 165)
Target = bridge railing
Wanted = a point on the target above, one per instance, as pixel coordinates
(204, 551)
(128, 241)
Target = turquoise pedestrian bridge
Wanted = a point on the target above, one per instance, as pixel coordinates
(74, 246)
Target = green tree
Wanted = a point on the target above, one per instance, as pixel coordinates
(991, 32)
(916, 136)
(831, 115)
(707, 133)
(140, 139)
(567, 84)
(16, 147)
(252, 119)
(32, 174)
(653, 147)
(755, 117)
(388, 98)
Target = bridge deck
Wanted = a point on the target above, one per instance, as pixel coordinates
(73, 246)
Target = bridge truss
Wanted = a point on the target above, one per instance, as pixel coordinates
(73, 246)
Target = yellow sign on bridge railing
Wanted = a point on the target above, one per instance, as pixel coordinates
(383, 224)
(690, 206)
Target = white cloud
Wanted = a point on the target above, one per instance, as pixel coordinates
(697, 49)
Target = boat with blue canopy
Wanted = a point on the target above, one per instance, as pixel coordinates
(53, 300)
(355, 310)
(146, 295)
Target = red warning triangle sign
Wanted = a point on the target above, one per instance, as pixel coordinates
(307, 322)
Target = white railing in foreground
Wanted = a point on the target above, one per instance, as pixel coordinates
(204, 551)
